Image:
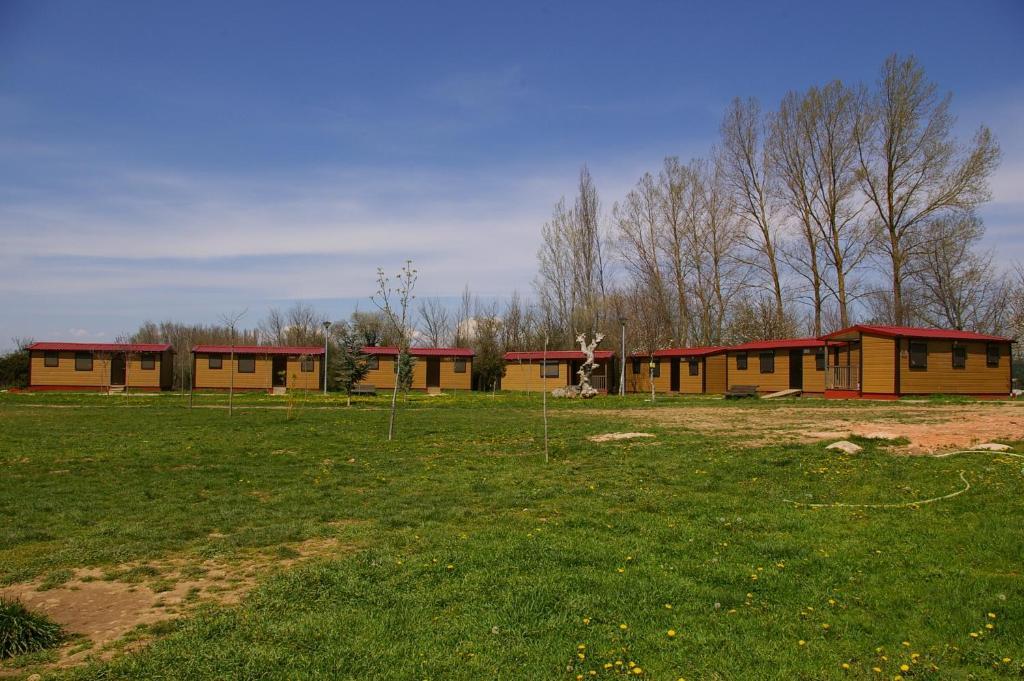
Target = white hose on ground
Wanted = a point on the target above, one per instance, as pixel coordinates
(908, 504)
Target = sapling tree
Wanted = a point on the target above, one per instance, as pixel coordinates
(230, 321)
(393, 300)
(349, 363)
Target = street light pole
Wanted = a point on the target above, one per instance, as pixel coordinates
(327, 326)
(622, 369)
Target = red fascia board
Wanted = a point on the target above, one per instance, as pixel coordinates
(101, 347)
(260, 349)
(391, 351)
(555, 355)
(919, 332)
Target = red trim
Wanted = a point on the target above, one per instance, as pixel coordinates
(101, 347)
(781, 344)
(391, 351)
(238, 390)
(680, 352)
(90, 388)
(261, 349)
(918, 332)
(842, 394)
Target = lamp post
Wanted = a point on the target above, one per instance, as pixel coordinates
(327, 327)
(622, 369)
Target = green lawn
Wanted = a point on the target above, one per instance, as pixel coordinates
(468, 557)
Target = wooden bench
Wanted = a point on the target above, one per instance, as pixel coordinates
(364, 390)
(736, 392)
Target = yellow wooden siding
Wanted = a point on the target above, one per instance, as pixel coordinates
(688, 385)
(64, 374)
(716, 383)
(526, 376)
(383, 377)
(205, 377)
(879, 369)
(941, 377)
(641, 383)
(766, 383)
(297, 379)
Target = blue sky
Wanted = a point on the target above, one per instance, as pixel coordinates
(182, 159)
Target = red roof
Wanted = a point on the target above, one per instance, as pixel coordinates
(780, 344)
(418, 352)
(682, 352)
(102, 347)
(555, 354)
(918, 332)
(262, 349)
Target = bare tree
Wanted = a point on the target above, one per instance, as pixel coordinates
(748, 175)
(393, 302)
(437, 323)
(912, 169)
(230, 321)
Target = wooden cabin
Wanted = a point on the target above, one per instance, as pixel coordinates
(110, 367)
(774, 365)
(433, 369)
(887, 362)
(686, 371)
(268, 368)
(531, 372)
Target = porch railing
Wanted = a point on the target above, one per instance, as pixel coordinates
(842, 377)
(600, 382)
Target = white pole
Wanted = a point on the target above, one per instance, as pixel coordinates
(544, 399)
(327, 326)
(622, 370)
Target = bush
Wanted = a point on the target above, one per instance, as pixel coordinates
(14, 369)
(23, 631)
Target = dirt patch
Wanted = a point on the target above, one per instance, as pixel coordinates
(927, 428)
(612, 437)
(100, 606)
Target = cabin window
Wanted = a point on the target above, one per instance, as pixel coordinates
(460, 365)
(655, 367)
(373, 362)
(959, 357)
(636, 365)
(215, 362)
(918, 355)
(148, 361)
(307, 365)
(767, 359)
(549, 369)
(83, 361)
(741, 361)
(247, 365)
(51, 358)
(992, 355)
(694, 367)
(819, 360)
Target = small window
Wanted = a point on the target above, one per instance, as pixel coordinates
(308, 365)
(460, 365)
(741, 361)
(148, 361)
(655, 368)
(819, 360)
(373, 362)
(215, 361)
(51, 358)
(959, 357)
(992, 355)
(918, 355)
(247, 365)
(636, 365)
(549, 369)
(83, 361)
(694, 367)
(767, 359)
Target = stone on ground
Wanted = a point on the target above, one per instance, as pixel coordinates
(845, 446)
(993, 447)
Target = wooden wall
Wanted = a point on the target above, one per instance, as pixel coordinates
(65, 375)
(941, 377)
(525, 376)
(879, 370)
(716, 383)
(641, 382)
(205, 377)
(383, 378)
(297, 379)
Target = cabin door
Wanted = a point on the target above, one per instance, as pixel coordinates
(796, 369)
(279, 371)
(674, 375)
(117, 370)
(434, 372)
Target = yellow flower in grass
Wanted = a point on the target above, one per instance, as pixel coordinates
(991, 615)
(638, 671)
(671, 633)
(845, 665)
(877, 670)
(974, 634)
(586, 620)
(906, 644)
(826, 626)
(990, 626)
(623, 626)
(904, 667)
(801, 642)
(1007, 660)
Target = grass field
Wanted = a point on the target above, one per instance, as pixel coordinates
(456, 552)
